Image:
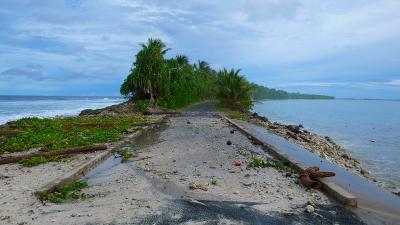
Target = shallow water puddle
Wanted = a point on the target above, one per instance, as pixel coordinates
(104, 171)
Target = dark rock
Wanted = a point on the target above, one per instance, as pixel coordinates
(288, 174)
(146, 113)
(372, 141)
(229, 142)
(232, 131)
(293, 128)
(301, 126)
(188, 122)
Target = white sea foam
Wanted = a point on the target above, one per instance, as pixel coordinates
(17, 108)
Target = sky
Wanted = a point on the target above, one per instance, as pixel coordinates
(87, 47)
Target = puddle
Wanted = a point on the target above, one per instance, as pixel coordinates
(113, 164)
(368, 194)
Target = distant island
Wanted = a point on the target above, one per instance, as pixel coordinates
(262, 93)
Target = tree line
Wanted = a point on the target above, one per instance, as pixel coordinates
(174, 82)
(262, 92)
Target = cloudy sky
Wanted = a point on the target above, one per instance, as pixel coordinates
(81, 47)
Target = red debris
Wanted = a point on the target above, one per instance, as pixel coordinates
(237, 163)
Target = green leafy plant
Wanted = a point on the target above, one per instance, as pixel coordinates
(37, 160)
(126, 154)
(55, 134)
(239, 116)
(71, 191)
(259, 163)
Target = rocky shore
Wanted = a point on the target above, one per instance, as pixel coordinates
(323, 146)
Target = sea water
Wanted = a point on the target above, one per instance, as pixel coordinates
(17, 107)
(368, 129)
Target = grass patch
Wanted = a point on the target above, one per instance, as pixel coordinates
(259, 163)
(126, 154)
(66, 192)
(55, 134)
(238, 116)
(37, 160)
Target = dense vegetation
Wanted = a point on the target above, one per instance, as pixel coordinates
(262, 92)
(234, 91)
(175, 83)
(55, 134)
(170, 83)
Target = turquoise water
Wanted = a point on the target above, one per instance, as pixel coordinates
(368, 129)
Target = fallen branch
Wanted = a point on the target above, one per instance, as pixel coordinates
(69, 151)
(9, 133)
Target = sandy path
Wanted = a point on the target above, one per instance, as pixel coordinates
(150, 191)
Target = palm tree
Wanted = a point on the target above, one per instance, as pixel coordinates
(148, 68)
(182, 60)
(202, 66)
(233, 90)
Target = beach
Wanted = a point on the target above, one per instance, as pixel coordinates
(183, 171)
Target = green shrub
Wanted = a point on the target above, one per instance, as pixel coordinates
(259, 163)
(142, 105)
(66, 192)
(37, 160)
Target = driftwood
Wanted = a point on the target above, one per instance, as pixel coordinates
(308, 182)
(68, 151)
(309, 177)
(9, 133)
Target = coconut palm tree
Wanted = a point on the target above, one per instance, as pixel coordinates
(233, 90)
(146, 75)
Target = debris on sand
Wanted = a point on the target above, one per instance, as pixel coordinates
(142, 158)
(194, 185)
(192, 201)
(237, 163)
(309, 209)
(309, 177)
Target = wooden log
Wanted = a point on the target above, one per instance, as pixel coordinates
(68, 151)
(9, 133)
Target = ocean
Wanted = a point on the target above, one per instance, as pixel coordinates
(17, 107)
(368, 129)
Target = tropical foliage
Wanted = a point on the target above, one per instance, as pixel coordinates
(234, 91)
(171, 83)
(174, 82)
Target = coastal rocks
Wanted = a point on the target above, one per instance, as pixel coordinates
(323, 146)
(126, 108)
(295, 129)
(309, 209)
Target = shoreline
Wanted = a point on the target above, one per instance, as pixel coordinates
(324, 146)
(318, 144)
(193, 148)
